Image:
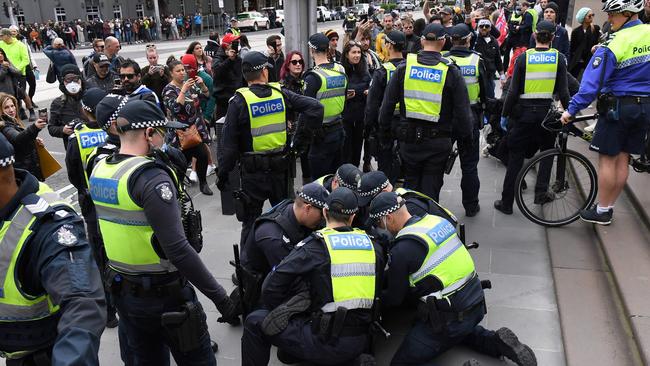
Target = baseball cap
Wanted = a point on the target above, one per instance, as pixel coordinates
(342, 200)
(385, 203)
(314, 194)
(434, 32)
(141, 114)
(6, 152)
(319, 42)
(100, 58)
(254, 61)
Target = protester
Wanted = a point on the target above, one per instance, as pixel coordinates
(583, 38)
(275, 55)
(155, 76)
(66, 111)
(204, 61)
(353, 113)
(227, 72)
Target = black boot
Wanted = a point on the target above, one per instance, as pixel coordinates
(203, 187)
(510, 347)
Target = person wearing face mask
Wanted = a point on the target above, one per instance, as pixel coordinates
(152, 276)
(430, 263)
(66, 110)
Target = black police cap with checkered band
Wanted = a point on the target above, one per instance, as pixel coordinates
(342, 200)
(385, 203)
(348, 176)
(140, 114)
(372, 183)
(314, 194)
(6, 152)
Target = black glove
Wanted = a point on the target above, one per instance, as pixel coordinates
(222, 181)
(228, 312)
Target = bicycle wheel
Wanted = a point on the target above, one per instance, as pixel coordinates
(560, 185)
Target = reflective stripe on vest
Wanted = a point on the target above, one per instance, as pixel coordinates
(332, 92)
(14, 304)
(469, 68)
(541, 71)
(390, 70)
(87, 140)
(516, 18)
(268, 119)
(125, 229)
(631, 46)
(352, 269)
(423, 85)
(447, 258)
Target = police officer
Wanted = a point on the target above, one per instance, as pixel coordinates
(52, 311)
(473, 70)
(620, 72)
(371, 184)
(329, 324)
(433, 100)
(255, 134)
(151, 260)
(347, 175)
(538, 75)
(419, 204)
(278, 230)
(429, 262)
(395, 42)
(328, 83)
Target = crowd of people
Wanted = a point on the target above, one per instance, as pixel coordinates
(315, 272)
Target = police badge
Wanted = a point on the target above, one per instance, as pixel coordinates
(597, 61)
(164, 191)
(65, 237)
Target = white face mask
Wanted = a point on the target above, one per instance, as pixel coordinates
(73, 87)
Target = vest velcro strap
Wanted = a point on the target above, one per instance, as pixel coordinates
(124, 217)
(352, 269)
(540, 75)
(422, 116)
(451, 288)
(268, 129)
(348, 304)
(536, 96)
(421, 95)
(11, 312)
(135, 269)
(444, 251)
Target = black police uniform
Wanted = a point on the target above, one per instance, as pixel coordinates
(385, 154)
(425, 146)
(263, 176)
(468, 147)
(56, 260)
(525, 132)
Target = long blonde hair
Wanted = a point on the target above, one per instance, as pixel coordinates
(3, 99)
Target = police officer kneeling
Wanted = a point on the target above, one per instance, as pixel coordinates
(428, 261)
(148, 252)
(330, 324)
(52, 306)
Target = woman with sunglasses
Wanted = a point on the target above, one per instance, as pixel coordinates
(353, 113)
(182, 98)
(291, 74)
(583, 38)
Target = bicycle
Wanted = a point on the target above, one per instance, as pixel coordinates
(566, 181)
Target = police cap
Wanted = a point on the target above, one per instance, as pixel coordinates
(460, 31)
(349, 176)
(342, 200)
(106, 110)
(314, 194)
(319, 42)
(545, 26)
(395, 37)
(140, 114)
(372, 183)
(91, 99)
(434, 32)
(6, 152)
(255, 61)
(385, 203)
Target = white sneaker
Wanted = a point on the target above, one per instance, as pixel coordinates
(591, 127)
(194, 177)
(211, 169)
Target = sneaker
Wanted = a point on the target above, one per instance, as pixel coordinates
(510, 347)
(278, 319)
(194, 178)
(592, 215)
(501, 207)
(203, 187)
(544, 198)
(211, 170)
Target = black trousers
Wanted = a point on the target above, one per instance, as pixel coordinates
(468, 154)
(423, 163)
(353, 141)
(259, 187)
(326, 153)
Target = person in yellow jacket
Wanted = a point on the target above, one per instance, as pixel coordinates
(429, 262)
(380, 45)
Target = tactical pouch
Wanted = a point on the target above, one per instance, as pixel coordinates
(436, 319)
(606, 102)
(185, 328)
(451, 160)
(242, 201)
(193, 227)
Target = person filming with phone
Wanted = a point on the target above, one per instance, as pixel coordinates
(227, 71)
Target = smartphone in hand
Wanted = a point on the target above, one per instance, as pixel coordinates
(42, 114)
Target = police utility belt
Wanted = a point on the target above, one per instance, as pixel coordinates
(435, 306)
(330, 326)
(257, 163)
(607, 102)
(170, 285)
(411, 133)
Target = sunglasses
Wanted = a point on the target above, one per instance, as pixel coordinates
(101, 47)
(297, 62)
(150, 45)
(354, 43)
(408, 27)
(485, 26)
(127, 76)
(71, 79)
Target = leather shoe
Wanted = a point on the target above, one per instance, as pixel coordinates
(205, 189)
(471, 212)
(543, 198)
(498, 204)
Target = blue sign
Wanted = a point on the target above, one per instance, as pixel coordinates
(441, 232)
(350, 242)
(92, 139)
(542, 58)
(104, 190)
(468, 70)
(335, 82)
(267, 107)
(425, 74)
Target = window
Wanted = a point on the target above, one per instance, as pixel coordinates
(59, 14)
(92, 12)
(117, 11)
(139, 11)
(20, 15)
